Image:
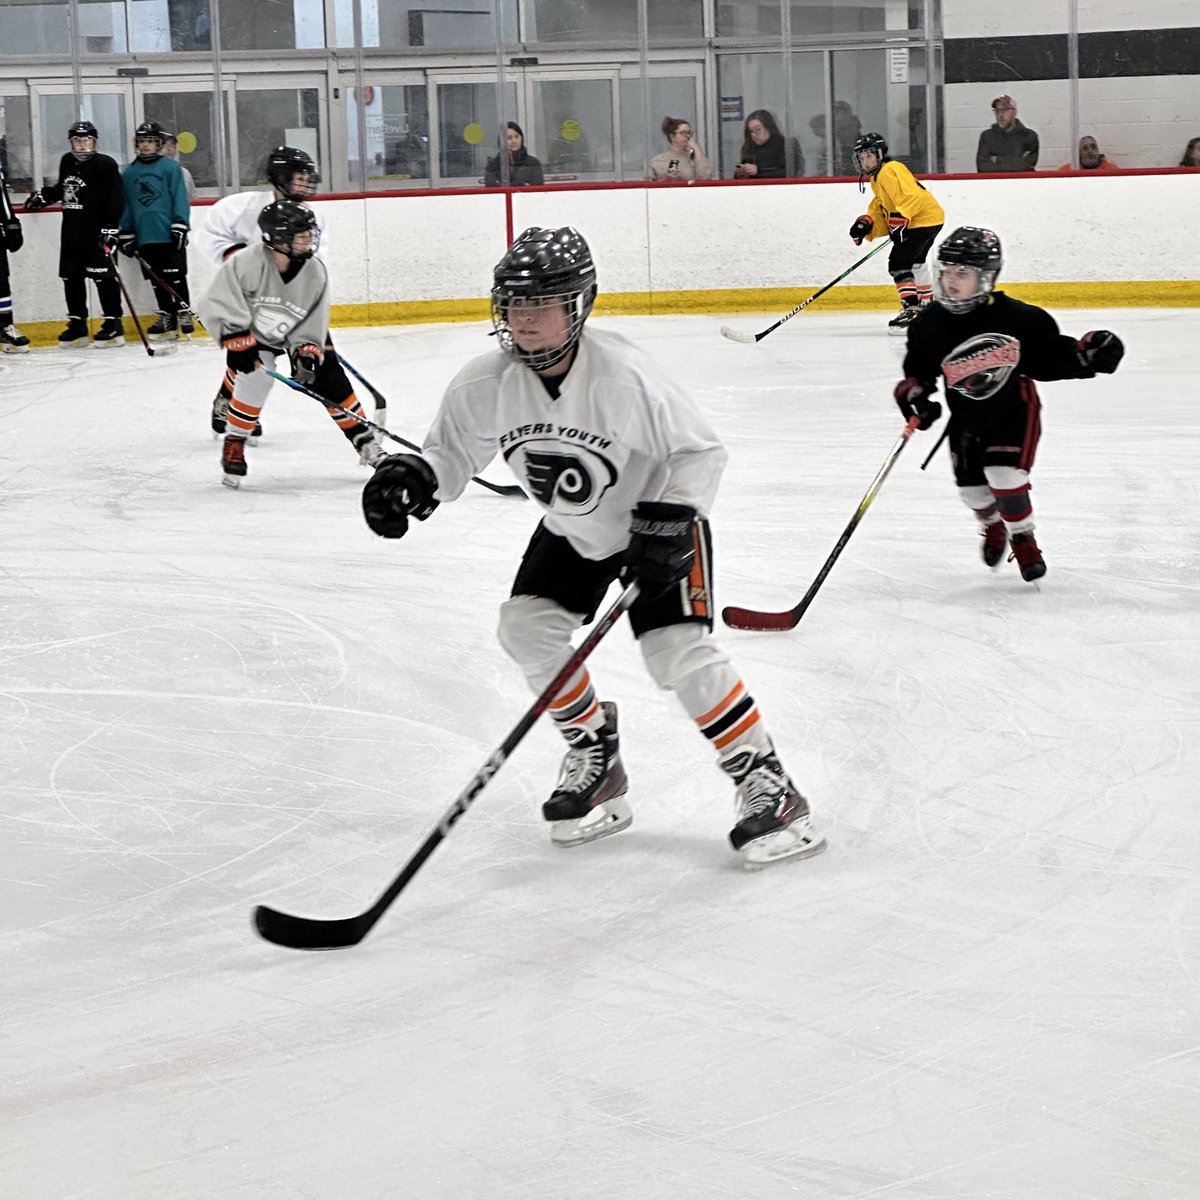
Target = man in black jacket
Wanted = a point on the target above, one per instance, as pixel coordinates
(89, 186)
(1007, 145)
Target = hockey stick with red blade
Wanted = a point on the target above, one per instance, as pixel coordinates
(312, 933)
(501, 489)
(736, 335)
(750, 618)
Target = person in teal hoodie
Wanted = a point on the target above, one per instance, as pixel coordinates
(154, 228)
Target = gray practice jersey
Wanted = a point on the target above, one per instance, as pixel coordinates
(619, 432)
(233, 222)
(249, 293)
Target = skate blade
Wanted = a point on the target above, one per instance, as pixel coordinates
(603, 821)
(233, 481)
(108, 345)
(796, 841)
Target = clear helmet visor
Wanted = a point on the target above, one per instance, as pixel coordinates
(961, 287)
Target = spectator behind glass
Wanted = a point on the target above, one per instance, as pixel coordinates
(847, 129)
(1007, 145)
(1090, 158)
(523, 169)
(683, 159)
(1191, 156)
(170, 149)
(766, 153)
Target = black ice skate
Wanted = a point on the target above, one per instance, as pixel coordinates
(995, 538)
(110, 333)
(187, 324)
(75, 334)
(165, 328)
(12, 340)
(233, 461)
(903, 319)
(1029, 557)
(773, 817)
(589, 801)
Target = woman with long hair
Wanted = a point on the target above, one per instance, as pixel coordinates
(766, 153)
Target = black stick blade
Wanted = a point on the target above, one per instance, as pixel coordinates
(308, 933)
(749, 618)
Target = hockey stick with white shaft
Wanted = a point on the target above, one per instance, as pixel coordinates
(312, 933)
(749, 618)
(501, 489)
(376, 395)
(735, 335)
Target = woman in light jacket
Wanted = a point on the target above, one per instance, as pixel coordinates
(684, 159)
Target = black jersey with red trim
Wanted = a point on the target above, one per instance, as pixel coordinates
(982, 354)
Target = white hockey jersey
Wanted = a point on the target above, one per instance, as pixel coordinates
(233, 221)
(249, 293)
(619, 432)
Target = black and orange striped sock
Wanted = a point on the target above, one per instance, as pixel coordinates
(576, 705)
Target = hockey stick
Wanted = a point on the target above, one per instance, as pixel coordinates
(501, 489)
(735, 335)
(379, 398)
(749, 618)
(184, 307)
(112, 266)
(936, 446)
(312, 933)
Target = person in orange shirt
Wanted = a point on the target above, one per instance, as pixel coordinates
(1090, 158)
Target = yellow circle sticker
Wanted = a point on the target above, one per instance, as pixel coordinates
(571, 129)
(186, 143)
(473, 134)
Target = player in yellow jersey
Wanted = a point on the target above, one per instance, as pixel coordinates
(902, 209)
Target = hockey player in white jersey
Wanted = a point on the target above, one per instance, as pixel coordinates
(625, 467)
(271, 299)
(232, 223)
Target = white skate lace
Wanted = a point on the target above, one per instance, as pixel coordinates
(759, 792)
(581, 767)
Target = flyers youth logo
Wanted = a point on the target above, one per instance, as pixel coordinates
(982, 365)
(571, 482)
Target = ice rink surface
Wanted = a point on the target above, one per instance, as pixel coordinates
(987, 987)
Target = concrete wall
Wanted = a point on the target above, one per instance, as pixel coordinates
(1096, 239)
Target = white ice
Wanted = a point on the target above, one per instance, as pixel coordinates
(989, 986)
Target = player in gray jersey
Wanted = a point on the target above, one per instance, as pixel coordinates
(625, 468)
(232, 223)
(272, 299)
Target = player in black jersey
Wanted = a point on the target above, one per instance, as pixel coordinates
(989, 349)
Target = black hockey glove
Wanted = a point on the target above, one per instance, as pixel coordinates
(1101, 351)
(14, 239)
(36, 201)
(127, 243)
(402, 486)
(662, 549)
(241, 352)
(860, 229)
(179, 234)
(914, 399)
(305, 361)
(109, 239)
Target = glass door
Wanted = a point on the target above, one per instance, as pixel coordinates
(466, 130)
(575, 119)
(669, 90)
(185, 108)
(109, 106)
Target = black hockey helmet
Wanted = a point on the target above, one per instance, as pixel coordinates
(282, 222)
(284, 163)
(83, 129)
(968, 246)
(150, 129)
(544, 265)
(875, 143)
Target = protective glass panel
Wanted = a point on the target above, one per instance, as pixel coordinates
(880, 91)
(105, 110)
(430, 23)
(763, 18)
(291, 25)
(469, 128)
(641, 132)
(573, 122)
(606, 20)
(275, 117)
(16, 146)
(27, 29)
(188, 115)
(397, 135)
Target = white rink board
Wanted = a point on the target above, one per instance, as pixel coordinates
(397, 249)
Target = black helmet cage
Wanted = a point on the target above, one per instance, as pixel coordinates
(968, 246)
(283, 163)
(544, 265)
(875, 143)
(281, 221)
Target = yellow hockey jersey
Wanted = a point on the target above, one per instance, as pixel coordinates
(896, 190)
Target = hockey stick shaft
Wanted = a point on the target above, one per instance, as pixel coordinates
(936, 446)
(308, 933)
(112, 266)
(748, 618)
(501, 489)
(758, 337)
(380, 399)
(184, 306)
